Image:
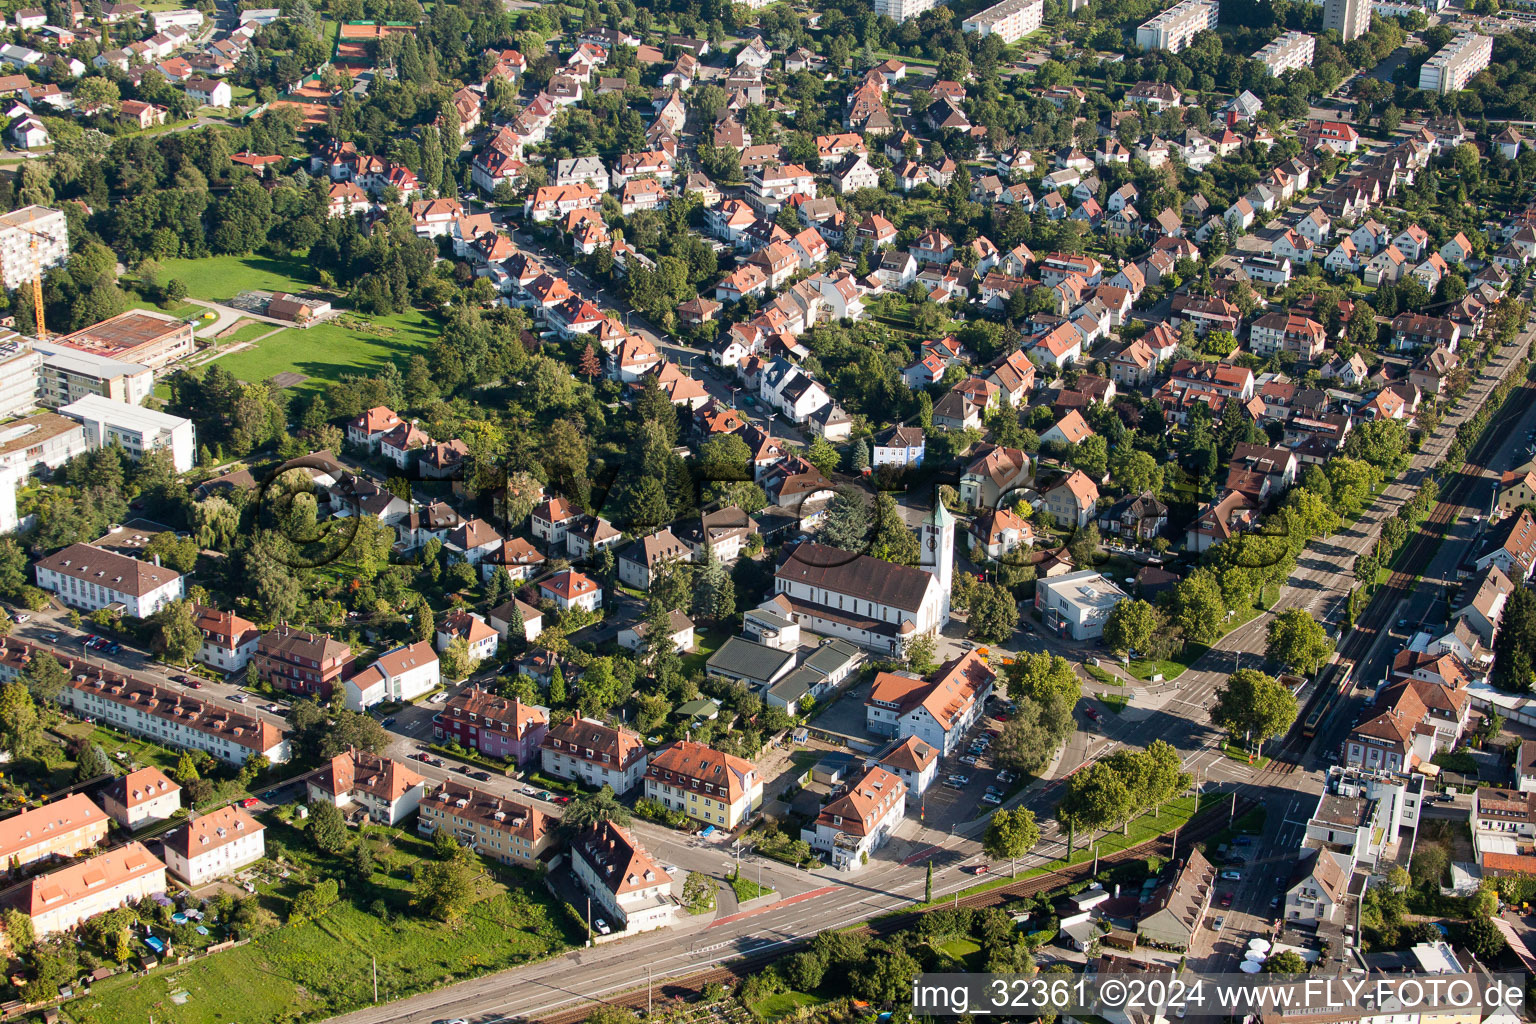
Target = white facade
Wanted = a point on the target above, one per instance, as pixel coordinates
(1292, 50)
(1010, 20)
(135, 428)
(89, 578)
(1450, 69)
(1349, 18)
(901, 10)
(33, 239)
(20, 365)
(171, 732)
(214, 845)
(68, 375)
(1078, 603)
(1174, 28)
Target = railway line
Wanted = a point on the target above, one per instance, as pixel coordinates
(1204, 825)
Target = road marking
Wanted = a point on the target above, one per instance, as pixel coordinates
(920, 854)
(788, 901)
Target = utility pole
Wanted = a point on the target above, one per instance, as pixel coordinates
(1233, 816)
(589, 920)
(647, 990)
(375, 960)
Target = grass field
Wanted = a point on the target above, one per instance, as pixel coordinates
(249, 332)
(783, 1004)
(324, 352)
(323, 967)
(221, 278)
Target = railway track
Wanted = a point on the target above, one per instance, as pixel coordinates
(1202, 827)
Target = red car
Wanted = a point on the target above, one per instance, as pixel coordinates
(249, 801)
(1093, 713)
(979, 869)
(1226, 899)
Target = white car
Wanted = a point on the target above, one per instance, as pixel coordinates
(1232, 876)
(991, 798)
(238, 698)
(601, 926)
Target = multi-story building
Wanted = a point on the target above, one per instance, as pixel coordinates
(859, 818)
(599, 755)
(1503, 830)
(301, 662)
(137, 336)
(229, 641)
(1458, 60)
(89, 578)
(143, 796)
(1009, 20)
(214, 845)
(387, 790)
(938, 712)
(705, 784)
(493, 826)
(135, 428)
(901, 10)
(33, 240)
(46, 440)
(58, 901)
(1284, 53)
(61, 829)
(495, 726)
(402, 674)
(1351, 19)
(20, 366)
(1294, 333)
(625, 884)
(67, 375)
(1174, 28)
(1077, 604)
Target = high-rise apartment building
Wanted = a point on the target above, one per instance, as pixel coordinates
(901, 10)
(1010, 20)
(1458, 60)
(1174, 28)
(1292, 50)
(1351, 19)
(32, 239)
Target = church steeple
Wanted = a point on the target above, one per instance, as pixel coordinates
(937, 538)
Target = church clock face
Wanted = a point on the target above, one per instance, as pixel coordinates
(932, 543)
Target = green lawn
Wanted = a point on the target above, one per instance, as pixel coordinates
(221, 278)
(962, 951)
(249, 332)
(1113, 701)
(748, 889)
(705, 644)
(783, 1004)
(349, 344)
(323, 967)
(1237, 752)
(183, 311)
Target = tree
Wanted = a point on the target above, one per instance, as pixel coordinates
(928, 885)
(1285, 962)
(1298, 641)
(1254, 705)
(176, 637)
(20, 729)
(186, 769)
(846, 525)
(592, 809)
(327, 827)
(1096, 799)
(45, 677)
(1025, 745)
(1484, 939)
(92, 763)
(18, 927)
(444, 889)
(457, 661)
(893, 542)
(1198, 608)
(1131, 625)
(994, 613)
(822, 455)
(714, 595)
(589, 365)
(1011, 834)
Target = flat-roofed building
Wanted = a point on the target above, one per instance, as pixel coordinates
(504, 829)
(137, 336)
(1174, 28)
(1282, 54)
(88, 578)
(1453, 66)
(214, 845)
(63, 828)
(44, 441)
(1077, 604)
(1351, 19)
(33, 240)
(143, 796)
(1010, 20)
(135, 428)
(58, 901)
(67, 375)
(20, 366)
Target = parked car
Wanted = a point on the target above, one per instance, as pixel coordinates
(238, 698)
(52, 638)
(960, 780)
(388, 722)
(601, 926)
(969, 759)
(249, 801)
(1005, 776)
(483, 776)
(1232, 876)
(23, 617)
(1243, 841)
(1218, 921)
(991, 798)
(1093, 713)
(1226, 899)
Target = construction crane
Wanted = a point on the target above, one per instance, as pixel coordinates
(37, 290)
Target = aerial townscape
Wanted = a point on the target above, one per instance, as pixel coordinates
(601, 512)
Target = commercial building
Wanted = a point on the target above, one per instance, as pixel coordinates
(61, 829)
(57, 902)
(586, 750)
(136, 428)
(901, 10)
(1009, 20)
(137, 336)
(44, 441)
(89, 578)
(1351, 19)
(301, 662)
(67, 375)
(1292, 50)
(495, 726)
(214, 845)
(143, 796)
(1458, 60)
(33, 240)
(859, 819)
(628, 888)
(1077, 604)
(939, 712)
(709, 786)
(493, 826)
(20, 365)
(1174, 28)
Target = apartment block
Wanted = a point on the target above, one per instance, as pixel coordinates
(142, 796)
(57, 902)
(136, 429)
(1450, 69)
(706, 784)
(20, 366)
(88, 578)
(63, 828)
(493, 826)
(1009, 20)
(45, 440)
(1351, 19)
(1292, 50)
(1174, 28)
(301, 662)
(214, 845)
(33, 239)
(67, 375)
(901, 10)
